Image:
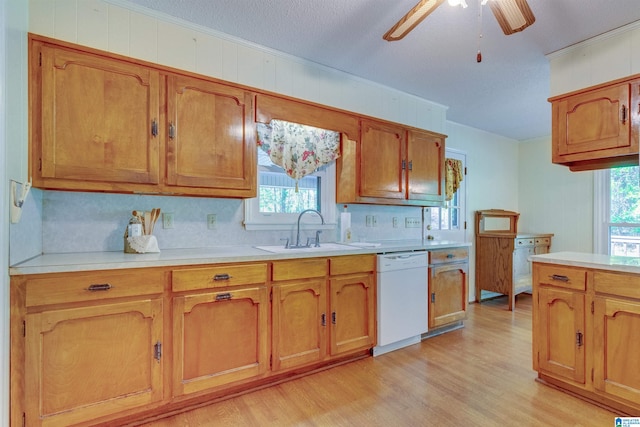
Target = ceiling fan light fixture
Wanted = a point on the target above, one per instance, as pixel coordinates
(411, 19)
(462, 3)
(512, 15)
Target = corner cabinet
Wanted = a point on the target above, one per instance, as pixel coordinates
(104, 122)
(394, 165)
(584, 324)
(597, 127)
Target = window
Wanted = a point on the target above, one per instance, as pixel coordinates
(617, 211)
(448, 222)
(278, 204)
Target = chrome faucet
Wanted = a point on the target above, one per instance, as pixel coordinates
(297, 245)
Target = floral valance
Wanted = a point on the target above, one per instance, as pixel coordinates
(453, 177)
(296, 148)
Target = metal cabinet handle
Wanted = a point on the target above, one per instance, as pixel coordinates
(333, 317)
(99, 287)
(579, 339)
(559, 278)
(224, 276)
(223, 297)
(154, 127)
(324, 319)
(624, 113)
(172, 130)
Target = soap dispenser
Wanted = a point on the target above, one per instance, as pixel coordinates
(345, 226)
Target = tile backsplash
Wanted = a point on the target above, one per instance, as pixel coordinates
(66, 222)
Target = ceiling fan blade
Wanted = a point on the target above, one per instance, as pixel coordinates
(411, 19)
(512, 15)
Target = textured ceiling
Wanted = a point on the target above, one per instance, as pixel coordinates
(505, 94)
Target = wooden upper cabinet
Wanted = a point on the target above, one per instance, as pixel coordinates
(93, 120)
(425, 160)
(598, 127)
(211, 136)
(394, 165)
(382, 157)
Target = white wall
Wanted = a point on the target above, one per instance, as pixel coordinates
(552, 199)
(13, 118)
(610, 56)
(492, 177)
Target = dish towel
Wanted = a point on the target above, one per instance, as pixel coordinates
(453, 177)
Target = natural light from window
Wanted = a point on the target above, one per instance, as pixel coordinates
(624, 211)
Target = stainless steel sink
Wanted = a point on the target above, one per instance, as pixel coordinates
(324, 247)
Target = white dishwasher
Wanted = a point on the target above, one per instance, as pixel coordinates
(402, 300)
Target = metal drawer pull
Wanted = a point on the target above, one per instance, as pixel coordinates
(223, 297)
(449, 255)
(224, 276)
(559, 277)
(99, 287)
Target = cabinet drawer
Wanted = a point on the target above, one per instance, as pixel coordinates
(521, 243)
(543, 241)
(563, 277)
(218, 277)
(620, 284)
(448, 255)
(352, 264)
(299, 269)
(78, 287)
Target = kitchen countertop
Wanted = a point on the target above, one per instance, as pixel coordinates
(87, 261)
(587, 260)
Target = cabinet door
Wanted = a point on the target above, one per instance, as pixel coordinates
(219, 338)
(211, 136)
(84, 363)
(299, 323)
(352, 317)
(425, 156)
(447, 294)
(561, 346)
(98, 120)
(594, 120)
(617, 347)
(382, 155)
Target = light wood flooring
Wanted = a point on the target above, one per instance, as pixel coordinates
(480, 375)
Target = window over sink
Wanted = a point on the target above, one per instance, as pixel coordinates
(281, 198)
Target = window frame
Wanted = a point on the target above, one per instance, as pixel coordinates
(459, 234)
(256, 220)
(602, 212)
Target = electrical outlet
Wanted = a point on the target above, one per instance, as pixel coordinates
(212, 221)
(412, 222)
(374, 221)
(167, 220)
(369, 221)
(395, 222)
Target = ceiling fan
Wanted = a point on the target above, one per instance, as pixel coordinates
(512, 15)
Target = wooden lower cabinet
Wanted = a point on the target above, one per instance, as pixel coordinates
(299, 323)
(219, 338)
(448, 277)
(352, 313)
(87, 362)
(105, 347)
(562, 329)
(585, 324)
(85, 345)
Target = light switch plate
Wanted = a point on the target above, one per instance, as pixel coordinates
(167, 220)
